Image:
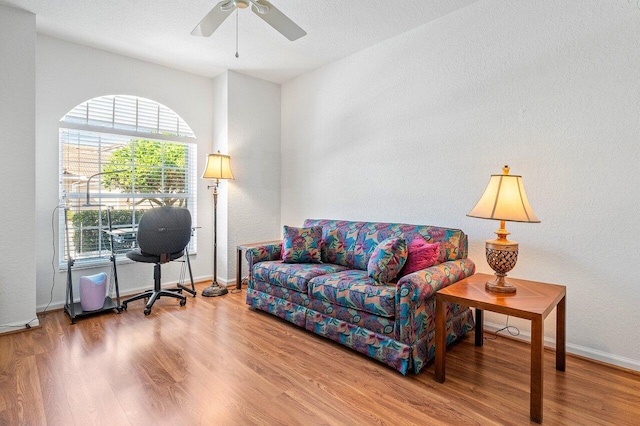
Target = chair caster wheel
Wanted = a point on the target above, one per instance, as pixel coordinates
(183, 302)
(147, 311)
(124, 307)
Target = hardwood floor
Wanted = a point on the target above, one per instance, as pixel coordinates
(215, 361)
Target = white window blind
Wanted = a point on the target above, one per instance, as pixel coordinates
(128, 113)
(128, 154)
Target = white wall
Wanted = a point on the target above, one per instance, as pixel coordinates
(17, 174)
(69, 74)
(254, 146)
(410, 130)
(246, 126)
(221, 143)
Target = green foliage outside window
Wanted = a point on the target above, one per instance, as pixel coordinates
(160, 167)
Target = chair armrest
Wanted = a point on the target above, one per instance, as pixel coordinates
(415, 301)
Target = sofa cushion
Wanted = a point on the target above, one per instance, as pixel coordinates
(354, 289)
(302, 245)
(453, 242)
(333, 249)
(294, 276)
(339, 237)
(387, 259)
(420, 255)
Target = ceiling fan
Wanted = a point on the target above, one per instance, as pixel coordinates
(265, 11)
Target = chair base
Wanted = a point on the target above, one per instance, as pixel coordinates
(156, 293)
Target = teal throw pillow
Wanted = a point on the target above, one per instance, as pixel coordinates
(333, 250)
(387, 259)
(302, 245)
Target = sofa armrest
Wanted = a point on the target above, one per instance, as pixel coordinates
(263, 253)
(415, 301)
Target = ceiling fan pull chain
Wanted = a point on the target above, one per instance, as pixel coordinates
(237, 56)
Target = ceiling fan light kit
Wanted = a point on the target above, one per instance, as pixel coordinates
(242, 4)
(261, 8)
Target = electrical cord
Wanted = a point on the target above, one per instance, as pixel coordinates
(239, 290)
(506, 327)
(53, 256)
(53, 277)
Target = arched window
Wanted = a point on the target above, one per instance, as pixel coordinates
(126, 154)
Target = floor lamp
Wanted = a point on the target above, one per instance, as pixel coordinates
(218, 167)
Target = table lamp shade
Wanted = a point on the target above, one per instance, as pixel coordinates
(504, 199)
(218, 167)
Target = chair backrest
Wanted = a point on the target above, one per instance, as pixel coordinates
(164, 230)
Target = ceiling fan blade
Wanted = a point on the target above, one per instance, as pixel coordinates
(278, 20)
(214, 18)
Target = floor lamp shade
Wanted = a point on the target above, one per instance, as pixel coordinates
(505, 200)
(218, 167)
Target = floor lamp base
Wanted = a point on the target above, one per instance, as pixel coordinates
(214, 290)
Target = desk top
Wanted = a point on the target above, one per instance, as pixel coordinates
(130, 230)
(531, 298)
(120, 231)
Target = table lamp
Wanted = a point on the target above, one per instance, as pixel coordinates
(504, 199)
(218, 167)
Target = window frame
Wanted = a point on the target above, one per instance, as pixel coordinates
(114, 134)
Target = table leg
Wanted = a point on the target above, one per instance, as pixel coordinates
(239, 270)
(479, 328)
(441, 348)
(537, 364)
(561, 336)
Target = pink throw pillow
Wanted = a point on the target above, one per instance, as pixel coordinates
(421, 255)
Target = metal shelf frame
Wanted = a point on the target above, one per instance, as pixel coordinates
(74, 309)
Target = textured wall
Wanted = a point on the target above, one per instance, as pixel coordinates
(17, 174)
(254, 146)
(220, 143)
(410, 130)
(69, 74)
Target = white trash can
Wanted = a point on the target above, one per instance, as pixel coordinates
(93, 290)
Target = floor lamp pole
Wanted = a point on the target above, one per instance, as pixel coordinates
(215, 289)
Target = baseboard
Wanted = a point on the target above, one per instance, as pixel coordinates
(582, 351)
(129, 292)
(225, 282)
(17, 327)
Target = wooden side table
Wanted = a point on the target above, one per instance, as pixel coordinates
(244, 247)
(532, 300)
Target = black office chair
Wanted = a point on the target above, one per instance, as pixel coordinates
(163, 235)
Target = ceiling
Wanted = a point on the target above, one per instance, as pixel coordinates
(159, 31)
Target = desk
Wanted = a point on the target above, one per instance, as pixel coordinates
(122, 235)
(245, 247)
(126, 239)
(532, 300)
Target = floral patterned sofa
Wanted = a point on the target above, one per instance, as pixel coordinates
(393, 322)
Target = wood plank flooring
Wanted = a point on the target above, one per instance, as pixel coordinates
(217, 362)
